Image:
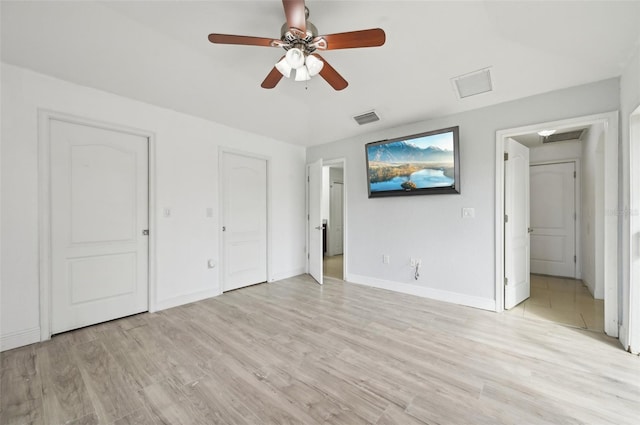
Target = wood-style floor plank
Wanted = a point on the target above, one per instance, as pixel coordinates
(294, 352)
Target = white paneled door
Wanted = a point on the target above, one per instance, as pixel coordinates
(553, 219)
(516, 228)
(314, 223)
(244, 220)
(99, 225)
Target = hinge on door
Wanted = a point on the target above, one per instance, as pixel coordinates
(506, 218)
(575, 259)
(308, 256)
(574, 174)
(145, 232)
(575, 216)
(506, 281)
(307, 217)
(506, 156)
(308, 179)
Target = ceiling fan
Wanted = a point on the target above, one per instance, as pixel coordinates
(300, 39)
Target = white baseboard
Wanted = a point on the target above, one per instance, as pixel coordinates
(287, 274)
(186, 299)
(19, 339)
(421, 291)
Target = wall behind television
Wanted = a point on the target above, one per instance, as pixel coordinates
(457, 254)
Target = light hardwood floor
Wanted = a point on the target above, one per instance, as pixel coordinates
(561, 300)
(294, 352)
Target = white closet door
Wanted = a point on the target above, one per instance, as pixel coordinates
(244, 218)
(553, 219)
(99, 212)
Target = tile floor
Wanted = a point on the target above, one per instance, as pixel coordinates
(560, 300)
(333, 266)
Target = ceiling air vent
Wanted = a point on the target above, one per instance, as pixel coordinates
(563, 137)
(473, 83)
(366, 118)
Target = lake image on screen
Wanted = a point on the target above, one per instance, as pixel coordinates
(426, 162)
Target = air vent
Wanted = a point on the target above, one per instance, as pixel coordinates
(473, 83)
(563, 137)
(366, 118)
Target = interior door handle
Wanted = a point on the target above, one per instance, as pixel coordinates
(529, 229)
(318, 227)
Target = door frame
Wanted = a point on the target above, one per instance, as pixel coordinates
(610, 225)
(577, 199)
(45, 117)
(345, 228)
(267, 159)
(630, 331)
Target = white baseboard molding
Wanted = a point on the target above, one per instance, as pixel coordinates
(19, 339)
(287, 274)
(421, 291)
(186, 299)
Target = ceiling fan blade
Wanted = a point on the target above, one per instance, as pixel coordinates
(332, 77)
(349, 40)
(244, 39)
(296, 19)
(272, 79)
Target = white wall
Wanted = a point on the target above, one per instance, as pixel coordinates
(457, 254)
(186, 181)
(629, 102)
(559, 151)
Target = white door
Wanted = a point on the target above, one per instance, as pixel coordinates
(244, 220)
(99, 210)
(553, 219)
(516, 227)
(314, 180)
(335, 218)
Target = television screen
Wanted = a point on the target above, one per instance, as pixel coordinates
(420, 164)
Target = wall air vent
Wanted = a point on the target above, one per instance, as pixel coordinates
(366, 118)
(473, 83)
(563, 137)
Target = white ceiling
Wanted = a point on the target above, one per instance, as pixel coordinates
(158, 52)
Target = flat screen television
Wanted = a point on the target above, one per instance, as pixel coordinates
(420, 164)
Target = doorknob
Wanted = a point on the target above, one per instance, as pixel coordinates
(529, 230)
(318, 227)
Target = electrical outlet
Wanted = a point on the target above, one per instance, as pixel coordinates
(385, 259)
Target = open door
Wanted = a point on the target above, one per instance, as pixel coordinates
(314, 224)
(517, 287)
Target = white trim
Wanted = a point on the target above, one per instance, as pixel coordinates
(424, 292)
(289, 273)
(187, 298)
(577, 207)
(267, 159)
(45, 117)
(630, 331)
(610, 122)
(19, 339)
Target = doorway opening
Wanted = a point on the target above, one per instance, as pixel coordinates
(326, 219)
(333, 220)
(573, 242)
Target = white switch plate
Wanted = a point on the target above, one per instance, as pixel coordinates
(385, 259)
(468, 212)
(209, 212)
(166, 212)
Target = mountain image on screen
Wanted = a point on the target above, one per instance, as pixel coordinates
(408, 152)
(406, 166)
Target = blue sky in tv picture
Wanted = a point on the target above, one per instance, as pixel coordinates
(425, 162)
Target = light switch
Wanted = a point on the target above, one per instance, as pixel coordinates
(166, 212)
(468, 212)
(209, 212)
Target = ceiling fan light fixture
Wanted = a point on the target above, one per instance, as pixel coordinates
(302, 74)
(295, 58)
(284, 67)
(314, 65)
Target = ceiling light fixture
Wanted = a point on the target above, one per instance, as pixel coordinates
(304, 64)
(546, 133)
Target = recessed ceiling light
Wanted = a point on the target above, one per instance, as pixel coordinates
(546, 133)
